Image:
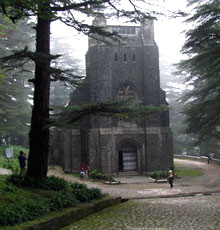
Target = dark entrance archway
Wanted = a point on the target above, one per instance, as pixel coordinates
(128, 155)
(127, 159)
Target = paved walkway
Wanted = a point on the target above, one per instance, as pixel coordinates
(144, 212)
(199, 212)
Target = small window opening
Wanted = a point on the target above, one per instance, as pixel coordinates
(125, 57)
(116, 57)
(133, 58)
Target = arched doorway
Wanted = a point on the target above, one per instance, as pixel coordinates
(127, 159)
(129, 155)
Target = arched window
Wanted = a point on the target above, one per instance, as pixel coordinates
(126, 91)
(125, 57)
(116, 57)
(133, 58)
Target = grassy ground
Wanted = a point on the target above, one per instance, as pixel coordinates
(8, 197)
(11, 163)
(183, 171)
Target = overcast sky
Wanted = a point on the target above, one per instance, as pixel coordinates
(168, 35)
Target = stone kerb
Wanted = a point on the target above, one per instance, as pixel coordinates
(58, 220)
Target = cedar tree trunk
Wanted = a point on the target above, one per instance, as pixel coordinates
(39, 133)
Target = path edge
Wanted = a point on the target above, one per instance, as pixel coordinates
(65, 217)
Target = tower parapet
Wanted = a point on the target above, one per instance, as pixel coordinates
(147, 31)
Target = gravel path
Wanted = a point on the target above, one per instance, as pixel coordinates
(142, 187)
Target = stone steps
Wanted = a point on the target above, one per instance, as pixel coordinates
(128, 174)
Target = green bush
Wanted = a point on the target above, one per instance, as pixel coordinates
(82, 194)
(53, 183)
(96, 175)
(94, 193)
(19, 212)
(159, 175)
(62, 200)
(49, 183)
(77, 185)
(66, 195)
(9, 187)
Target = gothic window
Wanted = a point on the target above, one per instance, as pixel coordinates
(116, 57)
(126, 91)
(133, 58)
(125, 57)
(124, 30)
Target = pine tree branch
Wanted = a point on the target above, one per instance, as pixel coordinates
(122, 109)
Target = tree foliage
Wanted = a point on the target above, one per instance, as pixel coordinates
(202, 68)
(15, 90)
(120, 109)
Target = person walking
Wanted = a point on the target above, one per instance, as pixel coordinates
(171, 177)
(22, 161)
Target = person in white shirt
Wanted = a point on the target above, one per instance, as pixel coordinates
(171, 177)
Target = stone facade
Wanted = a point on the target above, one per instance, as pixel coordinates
(115, 70)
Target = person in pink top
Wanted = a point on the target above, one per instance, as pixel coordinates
(85, 169)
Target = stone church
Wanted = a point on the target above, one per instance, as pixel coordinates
(116, 70)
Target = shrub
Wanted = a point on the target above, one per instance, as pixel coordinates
(53, 183)
(94, 193)
(159, 175)
(77, 185)
(20, 180)
(62, 200)
(96, 175)
(155, 175)
(9, 187)
(84, 194)
(67, 195)
(49, 183)
(19, 212)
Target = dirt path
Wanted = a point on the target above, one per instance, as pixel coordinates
(141, 187)
(209, 179)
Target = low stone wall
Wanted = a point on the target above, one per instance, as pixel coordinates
(201, 159)
(67, 216)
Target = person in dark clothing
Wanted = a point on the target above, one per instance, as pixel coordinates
(22, 160)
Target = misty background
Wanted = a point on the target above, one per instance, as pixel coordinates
(169, 36)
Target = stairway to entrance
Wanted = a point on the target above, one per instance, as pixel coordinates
(128, 174)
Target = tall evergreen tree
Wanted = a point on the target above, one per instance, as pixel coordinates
(14, 91)
(202, 68)
(69, 12)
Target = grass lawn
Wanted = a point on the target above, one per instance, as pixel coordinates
(183, 171)
(18, 195)
(23, 198)
(11, 163)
